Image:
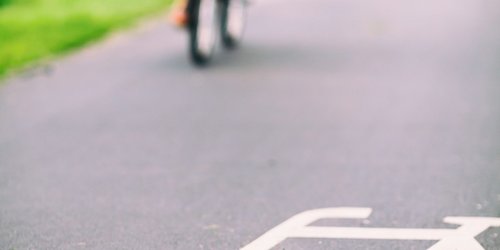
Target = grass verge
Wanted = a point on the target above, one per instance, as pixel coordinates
(35, 29)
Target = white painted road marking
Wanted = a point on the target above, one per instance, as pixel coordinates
(461, 238)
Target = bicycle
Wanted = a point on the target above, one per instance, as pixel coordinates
(210, 19)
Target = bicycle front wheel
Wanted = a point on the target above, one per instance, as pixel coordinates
(233, 17)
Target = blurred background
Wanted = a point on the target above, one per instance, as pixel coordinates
(34, 29)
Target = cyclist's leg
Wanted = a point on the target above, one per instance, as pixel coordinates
(179, 13)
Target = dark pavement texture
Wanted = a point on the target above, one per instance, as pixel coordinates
(393, 105)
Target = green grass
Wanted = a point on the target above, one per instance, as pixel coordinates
(34, 29)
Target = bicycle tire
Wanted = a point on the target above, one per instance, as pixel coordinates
(232, 13)
(197, 55)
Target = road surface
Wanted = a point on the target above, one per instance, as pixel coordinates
(391, 105)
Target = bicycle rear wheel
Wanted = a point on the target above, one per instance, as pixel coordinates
(203, 16)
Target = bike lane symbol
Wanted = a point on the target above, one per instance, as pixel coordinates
(461, 238)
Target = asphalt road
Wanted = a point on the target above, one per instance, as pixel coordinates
(392, 105)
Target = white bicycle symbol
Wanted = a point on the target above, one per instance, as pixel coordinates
(461, 238)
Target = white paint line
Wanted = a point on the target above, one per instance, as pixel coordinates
(372, 233)
(461, 238)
